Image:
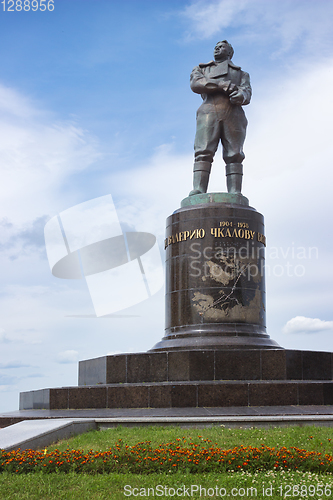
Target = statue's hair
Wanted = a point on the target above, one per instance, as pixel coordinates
(231, 50)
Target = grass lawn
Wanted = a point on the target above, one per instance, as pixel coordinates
(181, 484)
(308, 437)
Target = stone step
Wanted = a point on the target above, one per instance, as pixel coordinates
(182, 395)
(193, 365)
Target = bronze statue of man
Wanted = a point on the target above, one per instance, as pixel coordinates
(224, 88)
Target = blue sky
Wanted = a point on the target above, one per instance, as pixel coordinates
(95, 100)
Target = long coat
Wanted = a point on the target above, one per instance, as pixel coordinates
(217, 118)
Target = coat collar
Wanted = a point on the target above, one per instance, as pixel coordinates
(226, 63)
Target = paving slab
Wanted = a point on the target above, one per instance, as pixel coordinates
(234, 421)
(34, 434)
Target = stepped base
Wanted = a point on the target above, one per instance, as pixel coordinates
(187, 379)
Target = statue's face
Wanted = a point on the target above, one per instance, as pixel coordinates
(221, 51)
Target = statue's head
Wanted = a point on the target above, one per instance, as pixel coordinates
(223, 50)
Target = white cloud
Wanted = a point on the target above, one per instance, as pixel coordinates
(14, 104)
(150, 192)
(287, 127)
(69, 356)
(37, 153)
(32, 313)
(3, 337)
(6, 388)
(6, 380)
(301, 324)
(13, 364)
(288, 25)
(209, 17)
(287, 174)
(20, 241)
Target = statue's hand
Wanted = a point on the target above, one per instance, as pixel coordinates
(232, 89)
(227, 87)
(237, 97)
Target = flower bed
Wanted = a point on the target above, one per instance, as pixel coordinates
(169, 457)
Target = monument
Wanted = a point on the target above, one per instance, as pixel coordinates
(215, 351)
(215, 244)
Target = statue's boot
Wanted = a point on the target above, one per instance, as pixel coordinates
(201, 172)
(234, 172)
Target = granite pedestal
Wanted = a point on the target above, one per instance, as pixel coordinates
(215, 276)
